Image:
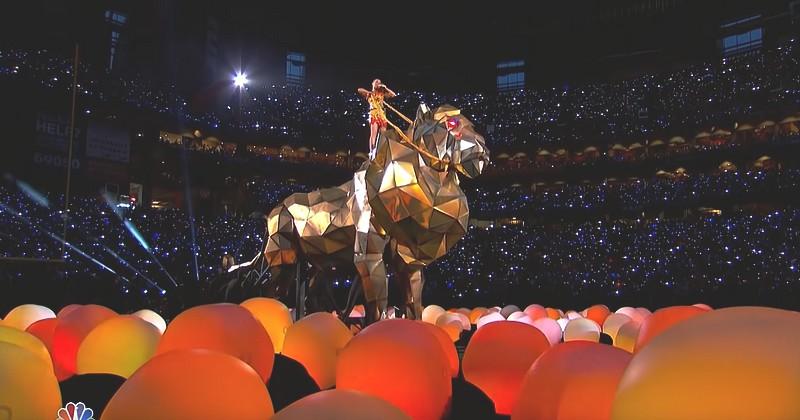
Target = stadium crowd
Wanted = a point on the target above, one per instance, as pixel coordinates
(698, 96)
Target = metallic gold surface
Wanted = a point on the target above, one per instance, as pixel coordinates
(409, 196)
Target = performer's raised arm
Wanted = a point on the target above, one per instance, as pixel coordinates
(363, 92)
(388, 92)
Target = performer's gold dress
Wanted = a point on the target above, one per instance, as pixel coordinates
(377, 115)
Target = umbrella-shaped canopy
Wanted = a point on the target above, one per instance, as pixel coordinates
(677, 140)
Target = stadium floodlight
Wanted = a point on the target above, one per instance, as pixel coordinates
(240, 80)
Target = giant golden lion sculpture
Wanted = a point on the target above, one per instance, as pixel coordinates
(408, 198)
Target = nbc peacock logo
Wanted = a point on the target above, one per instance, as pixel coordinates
(73, 411)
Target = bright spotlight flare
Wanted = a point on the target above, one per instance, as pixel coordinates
(240, 80)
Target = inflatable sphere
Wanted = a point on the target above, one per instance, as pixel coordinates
(570, 315)
(28, 387)
(521, 317)
(535, 311)
(67, 309)
(118, 346)
(508, 310)
(476, 313)
(73, 325)
(489, 318)
(497, 358)
(453, 330)
(24, 315)
(273, 315)
(703, 306)
(550, 329)
(315, 341)
(732, 363)
(574, 380)
(153, 318)
(401, 362)
(662, 320)
(449, 317)
(613, 323)
(553, 313)
(340, 404)
(632, 313)
(192, 384)
(27, 341)
(582, 329)
(626, 336)
(431, 313)
(597, 313)
(222, 327)
(446, 341)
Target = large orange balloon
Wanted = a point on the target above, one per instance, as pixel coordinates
(446, 343)
(497, 358)
(273, 315)
(401, 362)
(315, 341)
(28, 388)
(734, 363)
(223, 327)
(663, 319)
(575, 380)
(340, 404)
(582, 329)
(191, 384)
(153, 318)
(597, 313)
(24, 315)
(118, 346)
(70, 331)
(27, 341)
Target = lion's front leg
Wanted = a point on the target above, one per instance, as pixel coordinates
(368, 259)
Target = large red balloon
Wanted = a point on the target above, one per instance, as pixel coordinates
(191, 384)
(446, 344)
(222, 327)
(663, 319)
(400, 361)
(497, 358)
(574, 380)
(72, 327)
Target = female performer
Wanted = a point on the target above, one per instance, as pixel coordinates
(377, 115)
